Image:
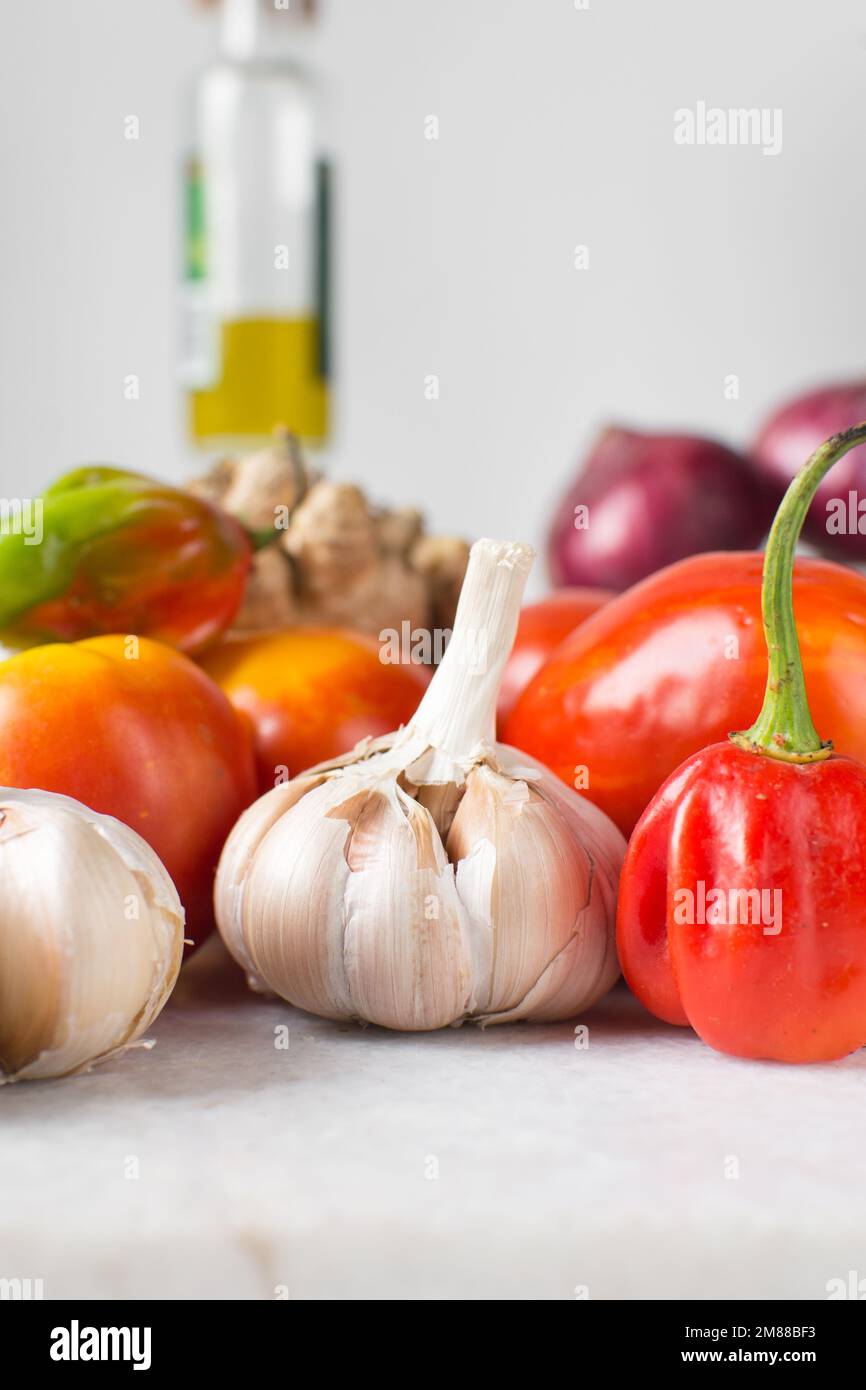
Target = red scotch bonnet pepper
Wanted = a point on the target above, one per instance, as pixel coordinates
(742, 907)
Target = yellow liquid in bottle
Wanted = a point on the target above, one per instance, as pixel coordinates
(269, 375)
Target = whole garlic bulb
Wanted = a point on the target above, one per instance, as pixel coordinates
(91, 935)
(434, 874)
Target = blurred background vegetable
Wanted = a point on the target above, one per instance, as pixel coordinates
(787, 439)
(135, 730)
(119, 552)
(312, 693)
(325, 554)
(677, 663)
(641, 501)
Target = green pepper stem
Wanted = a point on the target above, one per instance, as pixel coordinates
(784, 727)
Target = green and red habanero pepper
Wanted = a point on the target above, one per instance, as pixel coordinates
(104, 551)
(742, 905)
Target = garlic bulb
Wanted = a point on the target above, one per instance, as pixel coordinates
(434, 874)
(91, 935)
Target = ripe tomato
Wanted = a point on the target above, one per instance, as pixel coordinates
(132, 728)
(312, 693)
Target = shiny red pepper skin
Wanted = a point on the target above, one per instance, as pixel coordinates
(647, 681)
(792, 985)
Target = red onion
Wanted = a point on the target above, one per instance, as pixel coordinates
(651, 499)
(792, 434)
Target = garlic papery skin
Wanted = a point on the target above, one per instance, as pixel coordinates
(433, 875)
(91, 935)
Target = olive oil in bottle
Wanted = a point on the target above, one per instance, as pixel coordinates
(255, 341)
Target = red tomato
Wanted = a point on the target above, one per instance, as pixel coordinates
(133, 729)
(542, 627)
(312, 693)
(679, 661)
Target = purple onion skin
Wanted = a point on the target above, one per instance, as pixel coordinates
(793, 433)
(653, 499)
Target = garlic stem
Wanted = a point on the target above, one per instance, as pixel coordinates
(458, 711)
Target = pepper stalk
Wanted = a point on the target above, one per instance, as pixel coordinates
(784, 727)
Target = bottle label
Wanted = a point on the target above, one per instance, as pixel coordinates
(323, 266)
(199, 327)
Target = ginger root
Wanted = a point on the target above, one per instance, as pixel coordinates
(327, 555)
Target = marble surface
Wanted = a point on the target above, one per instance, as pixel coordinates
(499, 1164)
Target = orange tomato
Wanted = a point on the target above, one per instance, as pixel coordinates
(311, 694)
(134, 729)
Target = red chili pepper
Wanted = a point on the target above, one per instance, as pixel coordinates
(742, 905)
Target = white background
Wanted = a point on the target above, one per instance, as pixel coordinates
(455, 257)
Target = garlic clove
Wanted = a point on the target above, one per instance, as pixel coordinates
(520, 869)
(577, 977)
(298, 877)
(586, 820)
(441, 801)
(588, 966)
(236, 862)
(404, 920)
(91, 935)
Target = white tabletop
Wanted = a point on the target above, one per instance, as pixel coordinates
(504, 1163)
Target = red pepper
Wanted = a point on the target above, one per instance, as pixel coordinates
(542, 626)
(742, 905)
(677, 662)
